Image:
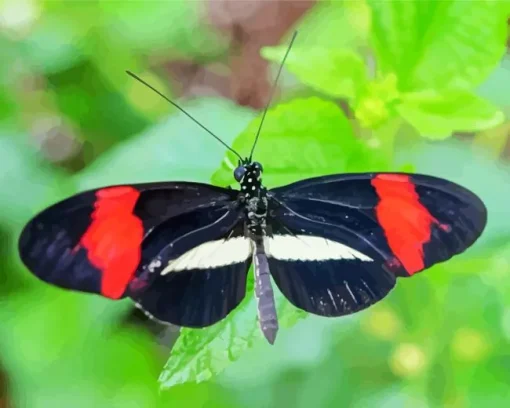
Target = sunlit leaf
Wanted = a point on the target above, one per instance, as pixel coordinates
(199, 355)
(437, 116)
(299, 139)
(336, 72)
(334, 23)
(438, 44)
(144, 25)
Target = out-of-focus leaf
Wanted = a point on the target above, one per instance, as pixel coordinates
(26, 182)
(497, 87)
(332, 23)
(102, 114)
(55, 358)
(54, 45)
(493, 140)
(336, 72)
(8, 108)
(300, 139)
(437, 116)
(488, 383)
(438, 44)
(174, 150)
(142, 25)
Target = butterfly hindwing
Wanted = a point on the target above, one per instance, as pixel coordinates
(201, 276)
(92, 242)
(322, 268)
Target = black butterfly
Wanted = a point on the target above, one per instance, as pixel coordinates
(333, 245)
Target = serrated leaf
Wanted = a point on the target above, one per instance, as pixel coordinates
(198, 355)
(438, 44)
(174, 150)
(336, 72)
(436, 115)
(334, 23)
(299, 139)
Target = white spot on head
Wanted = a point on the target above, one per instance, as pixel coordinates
(310, 248)
(243, 187)
(249, 180)
(253, 187)
(212, 254)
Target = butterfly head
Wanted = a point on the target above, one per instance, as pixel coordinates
(249, 176)
(246, 170)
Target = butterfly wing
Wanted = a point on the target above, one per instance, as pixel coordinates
(198, 274)
(355, 233)
(92, 242)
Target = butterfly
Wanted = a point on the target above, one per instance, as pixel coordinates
(333, 245)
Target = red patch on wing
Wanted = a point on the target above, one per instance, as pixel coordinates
(113, 239)
(406, 222)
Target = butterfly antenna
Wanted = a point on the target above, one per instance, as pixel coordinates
(183, 111)
(272, 92)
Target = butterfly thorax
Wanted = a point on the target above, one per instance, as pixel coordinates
(254, 196)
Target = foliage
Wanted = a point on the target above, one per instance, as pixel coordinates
(429, 56)
(406, 68)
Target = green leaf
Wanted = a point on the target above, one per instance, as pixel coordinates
(438, 115)
(53, 371)
(335, 72)
(54, 45)
(299, 139)
(142, 25)
(332, 23)
(176, 149)
(302, 138)
(26, 182)
(100, 112)
(438, 44)
(200, 354)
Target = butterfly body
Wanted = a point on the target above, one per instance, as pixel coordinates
(333, 245)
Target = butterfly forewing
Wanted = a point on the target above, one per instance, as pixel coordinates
(92, 242)
(389, 224)
(416, 220)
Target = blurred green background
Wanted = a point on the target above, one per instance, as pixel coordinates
(369, 85)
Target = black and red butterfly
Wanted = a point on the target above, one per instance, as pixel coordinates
(333, 245)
